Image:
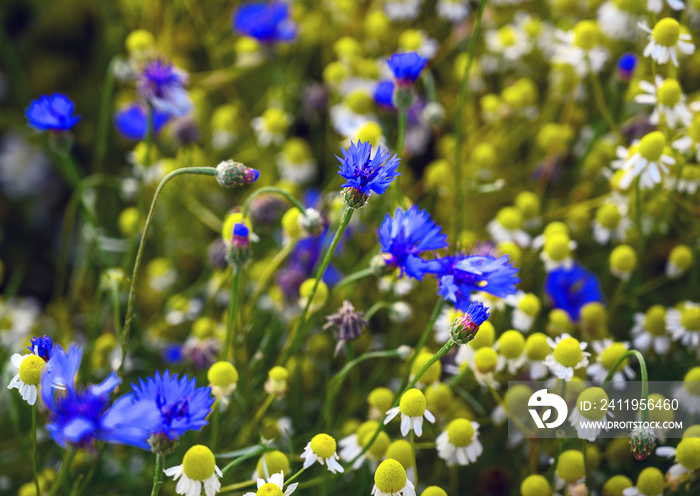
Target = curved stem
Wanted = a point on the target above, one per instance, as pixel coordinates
(158, 474)
(207, 171)
(643, 371)
(273, 189)
(355, 276)
(459, 118)
(297, 334)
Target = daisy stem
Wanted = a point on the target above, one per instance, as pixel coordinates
(207, 171)
(413, 456)
(437, 356)
(459, 118)
(423, 339)
(600, 101)
(232, 316)
(301, 471)
(645, 377)
(454, 480)
(273, 189)
(65, 467)
(158, 474)
(215, 426)
(297, 334)
(355, 276)
(239, 485)
(34, 470)
(638, 221)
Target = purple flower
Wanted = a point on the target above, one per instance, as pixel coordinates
(52, 113)
(570, 289)
(406, 67)
(408, 234)
(384, 94)
(41, 347)
(132, 121)
(163, 85)
(364, 173)
(266, 22)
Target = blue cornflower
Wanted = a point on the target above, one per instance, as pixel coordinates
(365, 174)
(79, 416)
(132, 121)
(465, 327)
(177, 404)
(41, 347)
(52, 113)
(626, 65)
(266, 22)
(163, 85)
(459, 275)
(406, 67)
(406, 236)
(570, 289)
(384, 94)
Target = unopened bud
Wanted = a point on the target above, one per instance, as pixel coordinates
(230, 174)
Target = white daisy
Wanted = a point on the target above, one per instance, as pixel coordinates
(508, 226)
(390, 479)
(444, 322)
(413, 409)
(648, 162)
(453, 10)
(568, 354)
(459, 444)
(665, 39)
(668, 100)
(616, 23)
(649, 483)
(271, 126)
(579, 48)
(508, 41)
(511, 348)
(273, 487)
(29, 369)
(321, 448)
(657, 6)
(526, 307)
(351, 446)
(683, 323)
(198, 469)
(608, 353)
(592, 420)
(688, 393)
(686, 454)
(690, 138)
(650, 330)
(295, 162)
(402, 10)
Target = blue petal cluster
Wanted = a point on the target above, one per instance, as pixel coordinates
(570, 289)
(163, 85)
(384, 94)
(79, 416)
(52, 113)
(174, 405)
(459, 275)
(41, 347)
(367, 174)
(266, 22)
(476, 314)
(408, 234)
(132, 121)
(406, 67)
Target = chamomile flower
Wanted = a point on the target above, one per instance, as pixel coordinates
(649, 331)
(570, 467)
(402, 10)
(623, 260)
(511, 351)
(271, 126)
(413, 408)
(688, 393)
(295, 162)
(665, 40)
(537, 349)
(29, 369)
(223, 378)
(667, 97)
(485, 337)
(379, 400)
(588, 416)
(198, 469)
(557, 251)
(649, 483)
(390, 479)
(351, 447)
(485, 365)
(273, 487)
(508, 41)
(649, 162)
(526, 307)
(568, 354)
(321, 449)
(454, 11)
(277, 381)
(679, 261)
(271, 462)
(690, 140)
(608, 353)
(687, 457)
(416, 40)
(580, 48)
(508, 226)
(459, 444)
(611, 221)
(656, 6)
(683, 323)
(616, 22)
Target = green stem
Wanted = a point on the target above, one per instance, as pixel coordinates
(423, 339)
(301, 471)
(643, 370)
(158, 474)
(34, 469)
(103, 118)
(437, 356)
(375, 308)
(231, 318)
(640, 230)
(413, 456)
(208, 171)
(273, 189)
(355, 276)
(600, 101)
(297, 334)
(241, 456)
(215, 426)
(65, 468)
(270, 270)
(116, 308)
(459, 119)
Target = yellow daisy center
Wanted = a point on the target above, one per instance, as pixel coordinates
(323, 445)
(586, 35)
(590, 403)
(269, 489)
(198, 463)
(666, 32)
(390, 476)
(688, 453)
(612, 354)
(568, 352)
(651, 481)
(537, 347)
(485, 360)
(690, 318)
(30, 370)
(512, 344)
(460, 432)
(413, 403)
(655, 321)
(222, 374)
(651, 146)
(669, 93)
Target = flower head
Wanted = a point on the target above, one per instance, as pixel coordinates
(413, 408)
(459, 444)
(571, 288)
(273, 486)
(41, 347)
(29, 369)
(406, 67)
(464, 328)
(384, 94)
(198, 469)
(348, 323)
(163, 85)
(265, 21)
(460, 275)
(321, 449)
(665, 39)
(132, 121)
(52, 113)
(366, 174)
(408, 234)
(390, 479)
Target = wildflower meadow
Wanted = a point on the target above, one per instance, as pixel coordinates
(350, 247)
